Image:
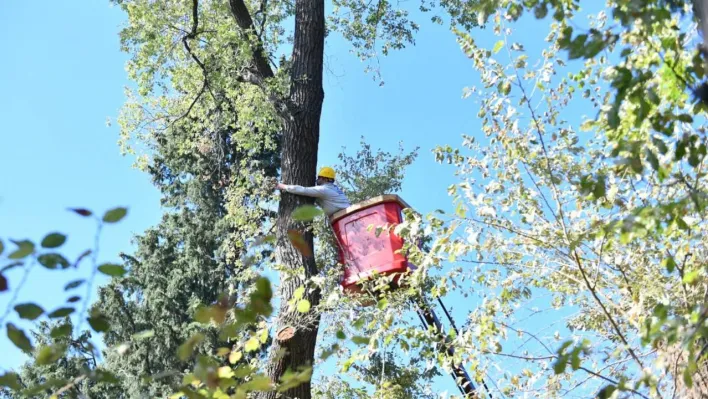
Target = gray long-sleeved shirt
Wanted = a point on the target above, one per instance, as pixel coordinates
(328, 196)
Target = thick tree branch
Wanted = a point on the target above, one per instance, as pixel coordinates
(245, 22)
(263, 12)
(261, 66)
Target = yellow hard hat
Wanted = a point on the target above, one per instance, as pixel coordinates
(326, 172)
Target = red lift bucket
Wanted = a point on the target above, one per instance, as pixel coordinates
(360, 251)
(363, 254)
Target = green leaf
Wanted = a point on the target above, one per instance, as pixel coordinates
(606, 392)
(11, 266)
(2, 247)
(460, 210)
(258, 383)
(685, 118)
(263, 288)
(292, 379)
(115, 215)
(50, 384)
(540, 11)
(680, 151)
(565, 36)
(660, 311)
(299, 242)
(144, 334)
(560, 364)
(681, 223)
(505, 88)
(599, 188)
(687, 377)
(691, 277)
(299, 292)
(53, 260)
(19, 338)
(81, 257)
(359, 340)
(577, 47)
(74, 299)
(99, 323)
(111, 269)
(594, 47)
(63, 330)
(61, 312)
(405, 346)
(575, 359)
(74, 284)
(252, 344)
(498, 46)
(382, 304)
(326, 354)
(205, 314)
(652, 159)
(10, 380)
(235, 356)
(636, 163)
(669, 264)
(303, 306)
(50, 354)
(81, 211)
(341, 335)
(613, 119)
(109, 378)
(264, 336)
(185, 350)
(306, 213)
(53, 240)
(25, 248)
(29, 311)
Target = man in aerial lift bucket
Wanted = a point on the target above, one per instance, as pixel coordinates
(328, 196)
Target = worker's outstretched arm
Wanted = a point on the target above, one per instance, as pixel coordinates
(315, 191)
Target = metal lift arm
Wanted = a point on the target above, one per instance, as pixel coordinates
(462, 379)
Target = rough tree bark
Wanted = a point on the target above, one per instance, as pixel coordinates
(301, 129)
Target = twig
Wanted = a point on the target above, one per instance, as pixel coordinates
(68, 386)
(539, 132)
(191, 35)
(189, 109)
(551, 357)
(16, 293)
(94, 270)
(611, 319)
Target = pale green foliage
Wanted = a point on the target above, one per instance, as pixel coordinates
(570, 236)
(382, 26)
(366, 174)
(176, 91)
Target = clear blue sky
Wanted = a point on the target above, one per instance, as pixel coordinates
(62, 75)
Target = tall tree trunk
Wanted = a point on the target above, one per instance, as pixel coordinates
(300, 113)
(298, 165)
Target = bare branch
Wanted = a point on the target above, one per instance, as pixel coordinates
(189, 109)
(191, 35)
(552, 357)
(611, 319)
